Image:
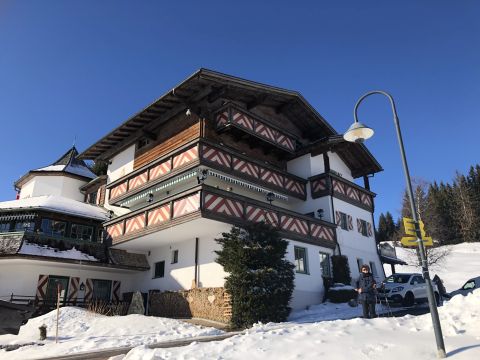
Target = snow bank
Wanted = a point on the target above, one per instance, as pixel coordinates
(403, 338)
(80, 330)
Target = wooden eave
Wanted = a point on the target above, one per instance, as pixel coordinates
(357, 157)
(200, 93)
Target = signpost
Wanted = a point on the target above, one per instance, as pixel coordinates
(409, 225)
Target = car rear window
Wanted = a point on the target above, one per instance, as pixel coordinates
(397, 278)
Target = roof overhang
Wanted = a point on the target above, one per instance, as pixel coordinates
(200, 91)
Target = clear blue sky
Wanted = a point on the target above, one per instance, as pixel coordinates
(79, 68)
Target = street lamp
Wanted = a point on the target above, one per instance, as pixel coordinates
(357, 133)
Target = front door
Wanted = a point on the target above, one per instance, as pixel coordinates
(51, 294)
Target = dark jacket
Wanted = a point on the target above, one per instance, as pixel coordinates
(367, 283)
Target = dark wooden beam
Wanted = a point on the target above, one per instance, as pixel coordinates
(216, 94)
(149, 135)
(256, 101)
(281, 108)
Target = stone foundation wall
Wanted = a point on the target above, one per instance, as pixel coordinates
(205, 303)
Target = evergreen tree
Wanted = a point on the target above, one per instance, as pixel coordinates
(465, 212)
(381, 234)
(260, 279)
(441, 224)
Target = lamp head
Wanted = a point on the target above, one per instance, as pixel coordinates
(358, 133)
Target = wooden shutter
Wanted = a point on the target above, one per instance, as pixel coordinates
(369, 229)
(88, 289)
(359, 225)
(337, 217)
(73, 287)
(350, 222)
(41, 288)
(116, 290)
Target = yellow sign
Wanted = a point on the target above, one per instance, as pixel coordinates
(409, 226)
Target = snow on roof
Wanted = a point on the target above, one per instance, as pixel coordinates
(34, 249)
(57, 204)
(71, 169)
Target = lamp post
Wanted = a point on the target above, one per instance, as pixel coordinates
(359, 132)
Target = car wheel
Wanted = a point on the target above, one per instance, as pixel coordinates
(409, 299)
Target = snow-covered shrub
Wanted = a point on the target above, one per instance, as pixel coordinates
(340, 293)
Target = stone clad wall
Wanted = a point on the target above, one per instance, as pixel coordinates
(205, 303)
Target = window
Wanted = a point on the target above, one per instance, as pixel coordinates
(469, 285)
(325, 265)
(373, 268)
(92, 198)
(81, 232)
(301, 265)
(359, 264)
(343, 221)
(24, 226)
(159, 270)
(101, 290)
(363, 228)
(5, 227)
(174, 256)
(53, 227)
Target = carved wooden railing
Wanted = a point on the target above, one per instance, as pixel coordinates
(331, 184)
(232, 116)
(209, 202)
(209, 154)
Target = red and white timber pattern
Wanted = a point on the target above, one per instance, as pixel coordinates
(322, 232)
(338, 187)
(266, 131)
(289, 223)
(159, 215)
(221, 205)
(366, 200)
(134, 224)
(319, 185)
(222, 118)
(242, 120)
(160, 170)
(353, 193)
(185, 157)
(73, 287)
(245, 167)
(115, 230)
(41, 287)
(186, 205)
(369, 229)
(118, 190)
(294, 186)
(116, 290)
(216, 156)
(271, 177)
(138, 180)
(88, 289)
(350, 222)
(256, 214)
(286, 142)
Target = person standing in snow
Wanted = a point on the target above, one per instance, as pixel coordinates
(367, 288)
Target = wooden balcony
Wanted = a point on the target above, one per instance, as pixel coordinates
(334, 185)
(211, 203)
(233, 117)
(211, 155)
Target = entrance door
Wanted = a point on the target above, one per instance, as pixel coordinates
(51, 294)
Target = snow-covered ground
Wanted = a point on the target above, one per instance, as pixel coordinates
(461, 263)
(307, 335)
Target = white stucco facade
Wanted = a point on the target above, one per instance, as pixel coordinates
(121, 164)
(59, 185)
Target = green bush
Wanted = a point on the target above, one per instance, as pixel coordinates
(260, 280)
(341, 295)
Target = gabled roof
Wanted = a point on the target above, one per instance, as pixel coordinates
(205, 87)
(68, 163)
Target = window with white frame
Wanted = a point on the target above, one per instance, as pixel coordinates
(159, 270)
(301, 265)
(343, 221)
(363, 228)
(373, 269)
(359, 264)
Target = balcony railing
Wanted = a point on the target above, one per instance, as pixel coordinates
(208, 154)
(208, 202)
(233, 117)
(331, 184)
